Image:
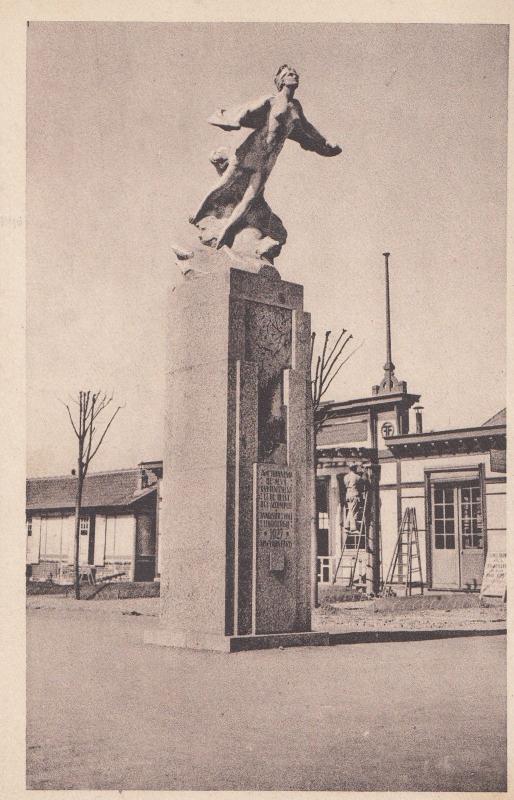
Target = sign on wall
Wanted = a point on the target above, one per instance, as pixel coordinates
(494, 582)
(499, 460)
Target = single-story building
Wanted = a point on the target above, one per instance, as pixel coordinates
(118, 524)
(453, 479)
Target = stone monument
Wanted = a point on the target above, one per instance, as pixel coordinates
(238, 469)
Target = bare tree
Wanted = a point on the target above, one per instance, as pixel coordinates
(328, 363)
(91, 408)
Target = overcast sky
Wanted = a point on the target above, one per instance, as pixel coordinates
(117, 158)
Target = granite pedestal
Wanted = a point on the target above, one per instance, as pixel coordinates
(237, 493)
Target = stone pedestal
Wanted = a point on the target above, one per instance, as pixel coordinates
(237, 494)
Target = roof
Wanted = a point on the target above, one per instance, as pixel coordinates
(346, 407)
(478, 439)
(500, 418)
(101, 489)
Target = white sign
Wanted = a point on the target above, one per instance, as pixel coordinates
(494, 582)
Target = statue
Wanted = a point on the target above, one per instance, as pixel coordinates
(235, 212)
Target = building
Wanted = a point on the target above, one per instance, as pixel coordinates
(118, 524)
(453, 481)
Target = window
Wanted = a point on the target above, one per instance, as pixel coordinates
(323, 547)
(324, 569)
(322, 520)
(352, 541)
(444, 519)
(84, 526)
(458, 521)
(471, 517)
(29, 526)
(322, 496)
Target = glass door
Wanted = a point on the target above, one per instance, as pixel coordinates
(471, 536)
(445, 554)
(457, 536)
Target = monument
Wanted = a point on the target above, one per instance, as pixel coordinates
(238, 472)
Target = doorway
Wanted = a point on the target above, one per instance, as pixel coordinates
(457, 534)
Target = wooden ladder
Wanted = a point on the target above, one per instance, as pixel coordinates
(406, 551)
(362, 530)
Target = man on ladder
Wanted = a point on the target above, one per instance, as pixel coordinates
(354, 522)
(355, 486)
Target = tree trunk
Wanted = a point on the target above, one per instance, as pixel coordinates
(78, 505)
(314, 531)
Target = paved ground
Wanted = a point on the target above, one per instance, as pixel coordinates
(106, 711)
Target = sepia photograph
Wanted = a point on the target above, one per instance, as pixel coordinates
(265, 343)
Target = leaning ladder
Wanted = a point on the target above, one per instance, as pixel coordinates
(406, 551)
(362, 529)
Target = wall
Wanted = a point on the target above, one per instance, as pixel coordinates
(115, 543)
(413, 472)
(50, 548)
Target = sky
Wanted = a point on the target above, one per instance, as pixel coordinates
(117, 159)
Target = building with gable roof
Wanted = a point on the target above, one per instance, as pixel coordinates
(118, 524)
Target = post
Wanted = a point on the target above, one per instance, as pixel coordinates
(78, 504)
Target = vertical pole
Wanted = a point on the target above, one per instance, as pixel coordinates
(388, 366)
(314, 530)
(388, 308)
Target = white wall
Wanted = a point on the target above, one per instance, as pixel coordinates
(388, 526)
(415, 498)
(388, 472)
(414, 469)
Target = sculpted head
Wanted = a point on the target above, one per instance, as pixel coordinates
(286, 75)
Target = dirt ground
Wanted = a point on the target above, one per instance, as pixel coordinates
(343, 617)
(333, 617)
(106, 711)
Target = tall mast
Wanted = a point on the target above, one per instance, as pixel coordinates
(388, 366)
(389, 382)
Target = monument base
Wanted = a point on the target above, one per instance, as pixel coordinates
(234, 644)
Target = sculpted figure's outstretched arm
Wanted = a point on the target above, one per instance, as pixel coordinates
(309, 138)
(249, 115)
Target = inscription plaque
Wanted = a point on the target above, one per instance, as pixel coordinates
(275, 506)
(275, 546)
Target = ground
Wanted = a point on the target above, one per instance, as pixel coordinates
(106, 711)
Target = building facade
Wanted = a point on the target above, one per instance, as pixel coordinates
(453, 481)
(118, 525)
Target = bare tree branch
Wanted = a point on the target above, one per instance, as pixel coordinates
(103, 434)
(337, 342)
(336, 357)
(70, 416)
(323, 361)
(340, 365)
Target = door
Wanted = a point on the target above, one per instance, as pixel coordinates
(84, 540)
(445, 553)
(457, 536)
(471, 536)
